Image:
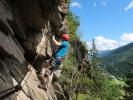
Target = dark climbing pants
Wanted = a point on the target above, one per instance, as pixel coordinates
(53, 63)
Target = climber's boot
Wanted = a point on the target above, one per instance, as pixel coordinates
(47, 73)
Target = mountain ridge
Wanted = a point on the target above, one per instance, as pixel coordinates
(119, 61)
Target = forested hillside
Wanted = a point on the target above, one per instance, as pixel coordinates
(119, 61)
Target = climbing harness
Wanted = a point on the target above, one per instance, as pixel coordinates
(55, 63)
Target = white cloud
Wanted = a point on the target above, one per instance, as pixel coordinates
(130, 6)
(127, 37)
(76, 4)
(105, 44)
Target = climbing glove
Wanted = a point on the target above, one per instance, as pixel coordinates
(53, 37)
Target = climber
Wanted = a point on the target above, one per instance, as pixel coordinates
(55, 61)
(58, 57)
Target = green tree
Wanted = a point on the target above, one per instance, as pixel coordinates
(73, 24)
(70, 73)
(129, 86)
(90, 82)
(101, 86)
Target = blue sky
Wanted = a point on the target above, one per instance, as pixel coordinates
(110, 22)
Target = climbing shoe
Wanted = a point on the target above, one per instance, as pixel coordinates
(47, 73)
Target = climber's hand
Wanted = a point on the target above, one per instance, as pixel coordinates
(55, 41)
(53, 37)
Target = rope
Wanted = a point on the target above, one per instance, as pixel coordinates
(25, 80)
(29, 67)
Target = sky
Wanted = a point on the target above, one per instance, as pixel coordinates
(109, 22)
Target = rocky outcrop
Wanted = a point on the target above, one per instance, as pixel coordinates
(81, 52)
(31, 91)
(22, 39)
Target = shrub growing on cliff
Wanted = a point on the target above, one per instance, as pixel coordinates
(73, 24)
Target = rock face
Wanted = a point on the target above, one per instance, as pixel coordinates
(81, 52)
(22, 39)
(31, 91)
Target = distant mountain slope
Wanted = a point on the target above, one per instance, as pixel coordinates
(104, 53)
(119, 61)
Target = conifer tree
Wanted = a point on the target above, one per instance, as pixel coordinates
(129, 87)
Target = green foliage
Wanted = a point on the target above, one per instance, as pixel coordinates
(73, 24)
(129, 87)
(89, 82)
(72, 80)
(68, 67)
(102, 86)
(86, 97)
